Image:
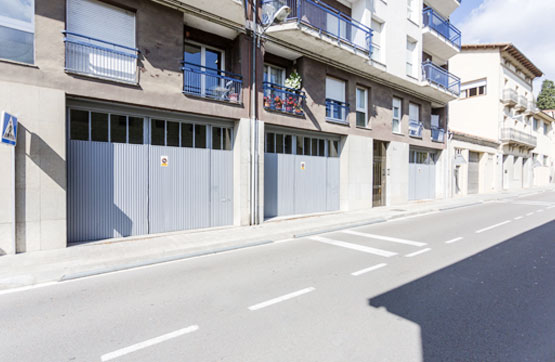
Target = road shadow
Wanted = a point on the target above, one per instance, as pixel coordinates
(498, 305)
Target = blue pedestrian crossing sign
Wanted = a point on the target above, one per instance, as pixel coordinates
(9, 128)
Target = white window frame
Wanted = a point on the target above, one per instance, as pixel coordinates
(411, 58)
(203, 48)
(269, 67)
(399, 116)
(379, 35)
(362, 110)
(411, 10)
(21, 25)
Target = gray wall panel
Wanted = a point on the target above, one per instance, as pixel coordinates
(270, 185)
(332, 198)
(106, 190)
(310, 184)
(222, 187)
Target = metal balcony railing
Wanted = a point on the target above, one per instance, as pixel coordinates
(415, 128)
(332, 22)
(438, 134)
(515, 136)
(211, 83)
(98, 58)
(440, 77)
(283, 99)
(510, 96)
(442, 26)
(336, 110)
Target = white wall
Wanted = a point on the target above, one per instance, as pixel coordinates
(397, 187)
(356, 173)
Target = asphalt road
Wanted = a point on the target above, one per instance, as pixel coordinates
(470, 284)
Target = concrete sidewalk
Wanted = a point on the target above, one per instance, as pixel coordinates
(119, 254)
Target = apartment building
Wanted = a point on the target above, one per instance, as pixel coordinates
(136, 116)
(494, 124)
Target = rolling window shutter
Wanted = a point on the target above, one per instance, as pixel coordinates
(102, 21)
(335, 89)
(413, 112)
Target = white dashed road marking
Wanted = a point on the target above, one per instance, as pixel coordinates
(150, 342)
(530, 214)
(281, 299)
(518, 217)
(364, 249)
(492, 226)
(418, 252)
(372, 268)
(540, 210)
(385, 238)
(453, 240)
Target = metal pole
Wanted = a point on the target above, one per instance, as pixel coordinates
(13, 201)
(253, 116)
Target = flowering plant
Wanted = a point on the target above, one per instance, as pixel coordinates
(294, 81)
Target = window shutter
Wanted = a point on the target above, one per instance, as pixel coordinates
(335, 89)
(413, 112)
(102, 21)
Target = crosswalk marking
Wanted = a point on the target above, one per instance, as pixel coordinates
(418, 252)
(367, 270)
(385, 238)
(364, 249)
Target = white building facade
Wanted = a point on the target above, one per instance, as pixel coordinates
(494, 125)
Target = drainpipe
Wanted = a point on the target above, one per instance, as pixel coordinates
(254, 125)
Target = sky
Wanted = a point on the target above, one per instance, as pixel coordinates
(528, 24)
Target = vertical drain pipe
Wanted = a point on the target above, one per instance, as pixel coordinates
(253, 116)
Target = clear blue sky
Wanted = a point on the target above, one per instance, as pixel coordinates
(464, 10)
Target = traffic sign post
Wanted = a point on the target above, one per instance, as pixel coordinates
(9, 137)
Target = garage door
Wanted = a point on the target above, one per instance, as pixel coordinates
(422, 175)
(133, 175)
(301, 174)
(473, 172)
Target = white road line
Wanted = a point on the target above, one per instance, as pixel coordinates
(492, 226)
(386, 238)
(364, 271)
(150, 342)
(454, 240)
(281, 299)
(540, 210)
(550, 207)
(357, 247)
(418, 252)
(530, 214)
(518, 217)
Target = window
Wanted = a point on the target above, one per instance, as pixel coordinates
(336, 108)
(115, 128)
(545, 128)
(396, 108)
(377, 40)
(280, 143)
(221, 138)
(473, 89)
(411, 10)
(411, 57)
(362, 107)
(203, 72)
(100, 40)
(274, 74)
(17, 30)
(414, 112)
(534, 124)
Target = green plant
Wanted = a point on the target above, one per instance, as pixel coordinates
(546, 98)
(294, 81)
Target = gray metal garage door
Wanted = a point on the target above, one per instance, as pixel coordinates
(473, 172)
(301, 174)
(130, 175)
(422, 180)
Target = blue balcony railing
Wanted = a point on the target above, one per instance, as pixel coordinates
(442, 26)
(415, 128)
(211, 83)
(283, 99)
(336, 111)
(329, 21)
(440, 77)
(438, 134)
(98, 58)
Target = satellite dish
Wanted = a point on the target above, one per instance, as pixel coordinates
(274, 11)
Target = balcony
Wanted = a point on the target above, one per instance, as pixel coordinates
(514, 136)
(230, 10)
(100, 59)
(282, 99)
(510, 97)
(211, 83)
(444, 7)
(336, 111)
(438, 134)
(522, 103)
(321, 29)
(415, 128)
(439, 36)
(533, 107)
(441, 78)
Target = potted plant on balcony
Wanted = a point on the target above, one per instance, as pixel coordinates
(266, 102)
(290, 104)
(294, 81)
(299, 107)
(278, 103)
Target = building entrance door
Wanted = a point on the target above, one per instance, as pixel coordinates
(379, 174)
